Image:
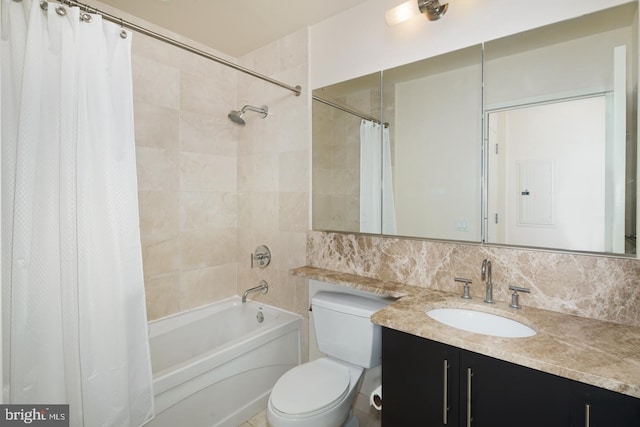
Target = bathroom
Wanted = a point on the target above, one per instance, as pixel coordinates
(210, 192)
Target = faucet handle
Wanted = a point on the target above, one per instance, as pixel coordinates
(515, 303)
(466, 282)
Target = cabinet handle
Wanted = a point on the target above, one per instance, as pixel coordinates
(445, 392)
(469, 375)
(587, 415)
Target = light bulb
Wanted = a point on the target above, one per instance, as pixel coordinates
(402, 13)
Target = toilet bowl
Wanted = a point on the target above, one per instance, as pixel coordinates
(320, 393)
(316, 394)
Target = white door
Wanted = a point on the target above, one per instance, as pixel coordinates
(546, 175)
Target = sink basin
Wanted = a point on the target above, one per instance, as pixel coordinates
(480, 322)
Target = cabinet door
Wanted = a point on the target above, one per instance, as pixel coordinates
(494, 393)
(596, 407)
(419, 380)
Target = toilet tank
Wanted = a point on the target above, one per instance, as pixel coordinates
(343, 327)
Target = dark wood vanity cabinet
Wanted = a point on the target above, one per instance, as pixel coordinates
(504, 394)
(420, 381)
(594, 407)
(427, 383)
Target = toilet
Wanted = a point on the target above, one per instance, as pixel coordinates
(320, 393)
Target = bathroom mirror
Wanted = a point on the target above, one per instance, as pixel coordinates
(338, 112)
(561, 129)
(434, 111)
(544, 157)
(418, 173)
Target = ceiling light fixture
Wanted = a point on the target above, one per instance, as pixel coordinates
(432, 9)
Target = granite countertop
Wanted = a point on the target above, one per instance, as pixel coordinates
(603, 354)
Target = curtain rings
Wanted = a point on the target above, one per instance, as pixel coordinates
(85, 15)
(44, 5)
(123, 33)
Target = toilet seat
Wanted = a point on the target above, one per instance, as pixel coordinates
(311, 388)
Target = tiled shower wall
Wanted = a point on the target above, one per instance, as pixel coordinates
(273, 171)
(187, 180)
(211, 191)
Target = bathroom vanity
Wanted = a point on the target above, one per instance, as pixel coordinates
(574, 371)
(429, 383)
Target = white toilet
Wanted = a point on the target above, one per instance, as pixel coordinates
(320, 393)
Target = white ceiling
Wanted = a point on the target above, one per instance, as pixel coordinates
(234, 27)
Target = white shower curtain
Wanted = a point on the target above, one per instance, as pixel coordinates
(74, 320)
(377, 205)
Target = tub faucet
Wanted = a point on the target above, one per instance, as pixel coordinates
(486, 275)
(263, 287)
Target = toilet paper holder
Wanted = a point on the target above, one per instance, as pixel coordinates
(375, 399)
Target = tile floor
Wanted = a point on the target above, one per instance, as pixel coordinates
(366, 419)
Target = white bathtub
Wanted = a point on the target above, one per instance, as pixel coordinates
(216, 365)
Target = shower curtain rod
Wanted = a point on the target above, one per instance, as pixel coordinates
(347, 110)
(139, 29)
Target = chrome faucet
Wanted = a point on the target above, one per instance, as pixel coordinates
(485, 274)
(263, 287)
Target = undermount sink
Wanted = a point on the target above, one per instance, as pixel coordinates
(480, 322)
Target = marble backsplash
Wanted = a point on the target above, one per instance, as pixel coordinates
(598, 287)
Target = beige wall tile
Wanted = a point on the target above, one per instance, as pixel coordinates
(264, 60)
(207, 285)
(293, 215)
(157, 169)
(158, 215)
(211, 71)
(246, 176)
(155, 50)
(286, 292)
(207, 133)
(206, 95)
(155, 83)
(245, 213)
(294, 171)
(163, 296)
(265, 171)
(202, 248)
(161, 258)
(265, 211)
(293, 129)
(251, 91)
(210, 209)
(262, 134)
(292, 246)
(156, 126)
(206, 172)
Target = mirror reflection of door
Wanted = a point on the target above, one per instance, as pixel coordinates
(588, 60)
(553, 174)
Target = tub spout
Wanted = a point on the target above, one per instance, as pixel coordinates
(263, 287)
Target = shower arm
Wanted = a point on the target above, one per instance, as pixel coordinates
(263, 111)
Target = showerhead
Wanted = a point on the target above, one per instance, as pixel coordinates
(238, 116)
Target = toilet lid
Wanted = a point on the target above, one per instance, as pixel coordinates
(311, 387)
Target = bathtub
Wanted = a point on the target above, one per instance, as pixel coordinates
(217, 364)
